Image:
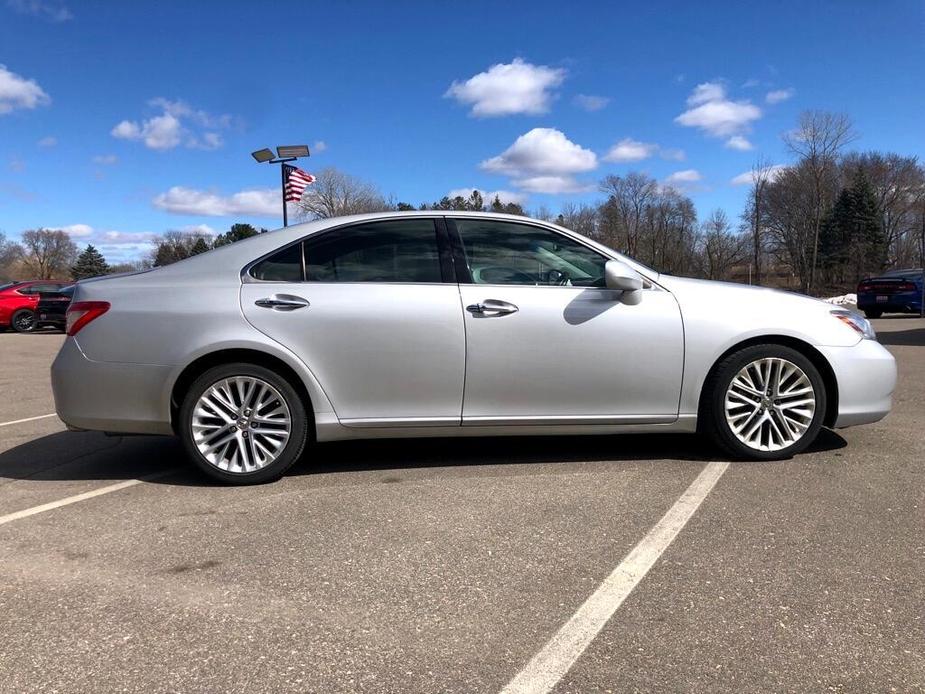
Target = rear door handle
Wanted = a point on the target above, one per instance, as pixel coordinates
(492, 307)
(282, 302)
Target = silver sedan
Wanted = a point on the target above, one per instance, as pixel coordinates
(452, 324)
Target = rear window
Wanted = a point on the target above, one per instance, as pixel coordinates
(282, 266)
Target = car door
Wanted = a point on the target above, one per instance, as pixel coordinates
(548, 343)
(373, 310)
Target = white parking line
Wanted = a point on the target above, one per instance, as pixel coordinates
(27, 419)
(68, 500)
(556, 658)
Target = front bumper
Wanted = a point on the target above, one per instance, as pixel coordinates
(109, 396)
(866, 376)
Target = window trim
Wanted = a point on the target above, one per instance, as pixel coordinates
(441, 237)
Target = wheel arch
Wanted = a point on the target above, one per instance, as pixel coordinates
(806, 349)
(228, 356)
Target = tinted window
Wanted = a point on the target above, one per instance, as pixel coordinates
(397, 251)
(284, 266)
(510, 253)
(37, 288)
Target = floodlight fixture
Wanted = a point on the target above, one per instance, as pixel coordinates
(292, 151)
(262, 155)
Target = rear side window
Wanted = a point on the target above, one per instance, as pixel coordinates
(393, 251)
(282, 266)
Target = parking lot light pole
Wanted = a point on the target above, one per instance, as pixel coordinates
(284, 153)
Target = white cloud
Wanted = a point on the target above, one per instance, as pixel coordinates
(711, 111)
(178, 123)
(778, 95)
(201, 229)
(671, 154)
(552, 185)
(748, 177)
(739, 142)
(505, 89)
(75, 230)
(48, 141)
(105, 159)
(19, 92)
(488, 196)
(52, 11)
(543, 160)
(629, 149)
(262, 202)
(590, 102)
(319, 146)
(542, 151)
(685, 176)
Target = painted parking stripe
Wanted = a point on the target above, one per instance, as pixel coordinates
(556, 658)
(27, 419)
(68, 500)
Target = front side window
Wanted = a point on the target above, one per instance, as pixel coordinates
(510, 253)
(392, 251)
(282, 266)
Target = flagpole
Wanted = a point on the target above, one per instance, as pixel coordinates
(282, 171)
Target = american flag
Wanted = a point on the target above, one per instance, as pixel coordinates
(296, 182)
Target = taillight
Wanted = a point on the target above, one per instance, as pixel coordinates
(865, 287)
(79, 313)
(907, 287)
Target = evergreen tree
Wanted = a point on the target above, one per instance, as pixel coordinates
(90, 263)
(238, 232)
(199, 247)
(852, 243)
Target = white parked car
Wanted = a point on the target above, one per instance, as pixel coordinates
(452, 324)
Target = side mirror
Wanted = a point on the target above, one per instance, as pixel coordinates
(619, 275)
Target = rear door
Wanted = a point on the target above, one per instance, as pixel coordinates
(373, 310)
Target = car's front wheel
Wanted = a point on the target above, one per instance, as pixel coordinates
(765, 402)
(23, 321)
(243, 424)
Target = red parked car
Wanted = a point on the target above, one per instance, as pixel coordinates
(19, 299)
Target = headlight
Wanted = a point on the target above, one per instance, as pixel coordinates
(856, 321)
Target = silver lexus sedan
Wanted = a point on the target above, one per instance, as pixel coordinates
(451, 324)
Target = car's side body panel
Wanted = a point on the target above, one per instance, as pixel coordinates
(571, 354)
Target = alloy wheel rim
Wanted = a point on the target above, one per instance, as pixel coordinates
(241, 424)
(770, 404)
(25, 321)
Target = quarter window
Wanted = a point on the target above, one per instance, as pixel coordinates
(393, 251)
(282, 266)
(510, 253)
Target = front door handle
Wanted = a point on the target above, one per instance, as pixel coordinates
(282, 302)
(492, 307)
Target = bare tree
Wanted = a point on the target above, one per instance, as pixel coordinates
(622, 212)
(720, 249)
(48, 254)
(582, 219)
(817, 140)
(762, 174)
(335, 194)
(10, 254)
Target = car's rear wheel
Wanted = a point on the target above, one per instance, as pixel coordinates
(872, 313)
(765, 402)
(243, 424)
(23, 321)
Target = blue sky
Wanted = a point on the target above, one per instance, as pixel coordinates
(122, 120)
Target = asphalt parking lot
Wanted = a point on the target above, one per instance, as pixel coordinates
(446, 566)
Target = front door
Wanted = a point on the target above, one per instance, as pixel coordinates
(369, 313)
(547, 343)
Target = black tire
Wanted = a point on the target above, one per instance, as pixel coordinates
(23, 321)
(872, 313)
(713, 411)
(299, 427)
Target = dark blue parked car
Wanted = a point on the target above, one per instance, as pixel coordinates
(898, 291)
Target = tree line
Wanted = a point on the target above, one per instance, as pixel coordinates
(818, 224)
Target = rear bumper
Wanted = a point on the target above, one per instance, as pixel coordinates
(905, 302)
(866, 376)
(107, 396)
